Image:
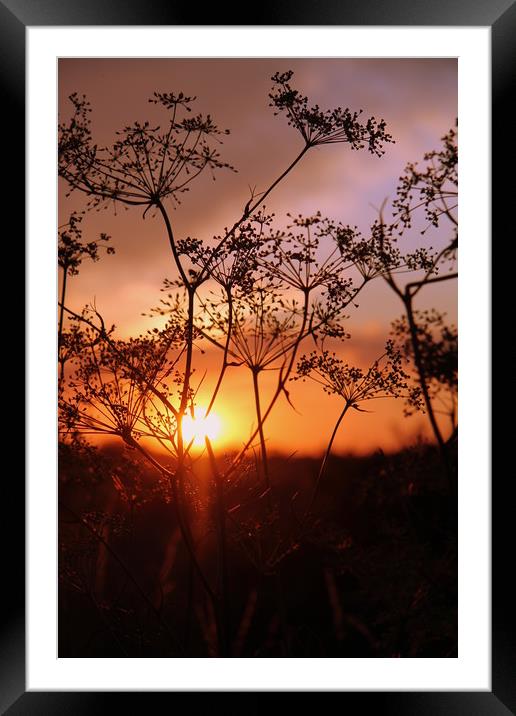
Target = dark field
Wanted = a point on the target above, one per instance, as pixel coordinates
(371, 573)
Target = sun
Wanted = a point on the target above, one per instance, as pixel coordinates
(200, 427)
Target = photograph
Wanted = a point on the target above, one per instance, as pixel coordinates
(257, 357)
(242, 317)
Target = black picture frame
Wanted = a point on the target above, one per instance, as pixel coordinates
(15, 16)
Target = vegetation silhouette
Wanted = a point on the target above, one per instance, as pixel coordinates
(168, 552)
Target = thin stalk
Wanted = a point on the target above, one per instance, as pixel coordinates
(324, 461)
(183, 526)
(418, 285)
(224, 612)
(263, 447)
(172, 242)
(418, 360)
(406, 297)
(282, 381)
(265, 466)
(178, 495)
(180, 472)
(61, 311)
(61, 319)
(250, 208)
(226, 352)
(189, 353)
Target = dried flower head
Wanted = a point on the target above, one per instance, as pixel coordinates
(72, 249)
(330, 126)
(146, 164)
(385, 378)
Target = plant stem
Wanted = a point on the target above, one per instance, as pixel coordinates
(418, 360)
(173, 246)
(224, 640)
(263, 447)
(226, 351)
(183, 526)
(418, 285)
(61, 319)
(324, 462)
(250, 209)
(189, 352)
(282, 381)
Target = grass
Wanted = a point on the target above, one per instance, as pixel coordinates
(372, 574)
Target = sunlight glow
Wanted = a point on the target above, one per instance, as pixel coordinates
(200, 427)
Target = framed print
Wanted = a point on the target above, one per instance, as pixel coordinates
(230, 484)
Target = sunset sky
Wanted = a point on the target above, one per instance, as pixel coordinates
(418, 100)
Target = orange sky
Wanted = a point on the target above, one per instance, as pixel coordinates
(417, 98)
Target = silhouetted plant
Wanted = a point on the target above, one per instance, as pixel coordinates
(438, 347)
(431, 189)
(71, 251)
(384, 378)
(318, 126)
(146, 164)
(301, 284)
(256, 292)
(111, 384)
